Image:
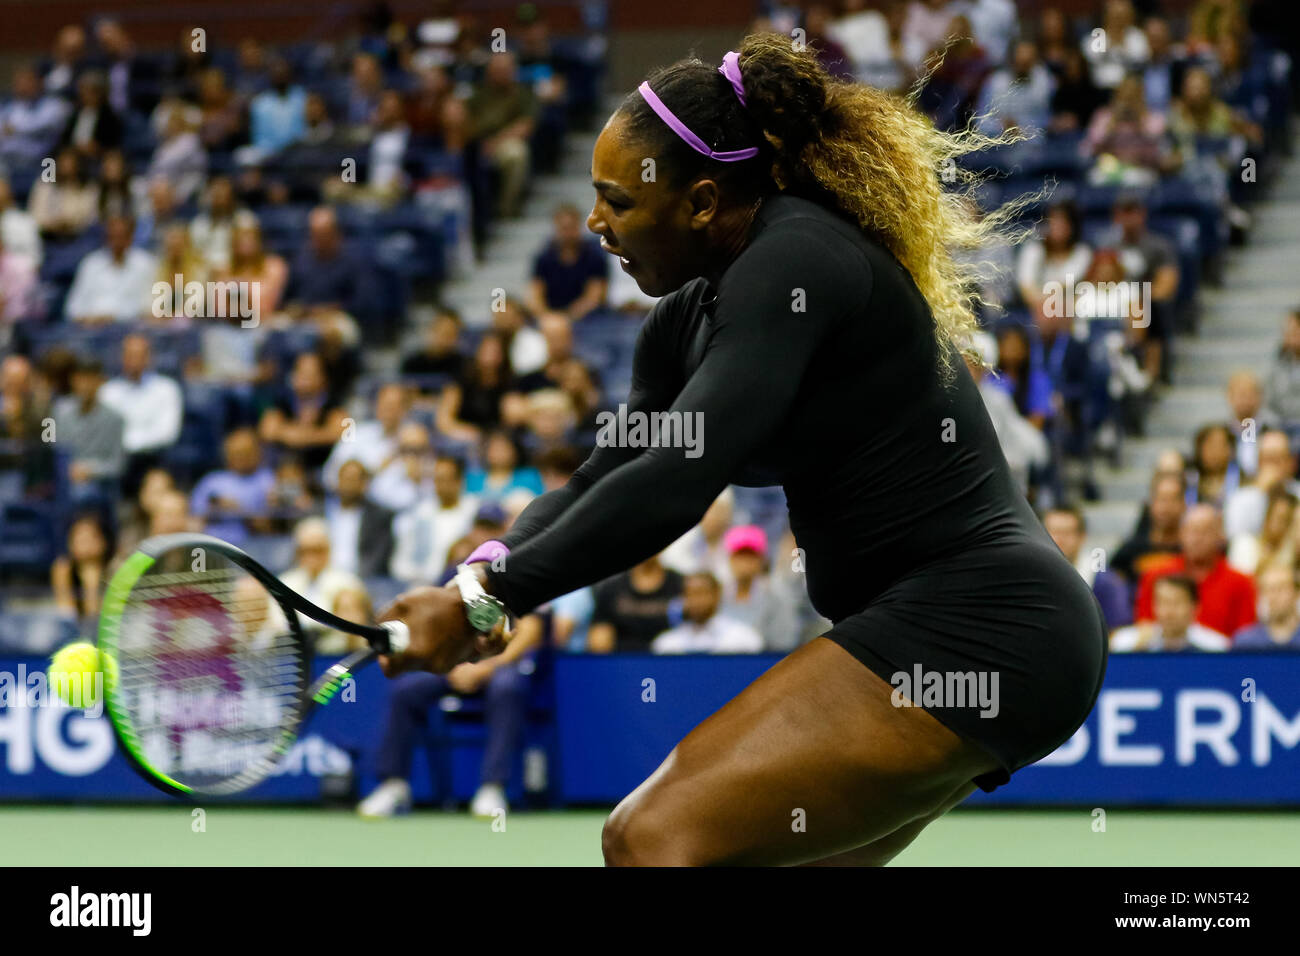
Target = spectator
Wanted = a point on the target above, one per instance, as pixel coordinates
(171, 515)
(361, 532)
(1016, 96)
(373, 443)
(19, 286)
(1247, 416)
(433, 112)
(1120, 48)
(251, 264)
(1162, 73)
(113, 283)
(94, 126)
(19, 231)
(1176, 625)
(316, 578)
(221, 127)
(325, 276)
(504, 682)
(925, 28)
(180, 159)
(525, 344)
(123, 68)
(557, 331)
(89, 431)
(994, 24)
(1199, 113)
(139, 518)
(1023, 444)
(1227, 597)
(503, 115)
(874, 47)
(1028, 384)
(150, 404)
(1068, 529)
(1156, 536)
(388, 144)
(30, 123)
(179, 265)
(1279, 628)
(757, 597)
(292, 497)
(79, 575)
(1274, 544)
(407, 478)
(276, 115)
(571, 273)
(65, 205)
(634, 607)
(832, 57)
(365, 88)
(306, 419)
(159, 212)
(948, 96)
(703, 547)
(423, 534)
(67, 62)
(501, 471)
(212, 230)
(551, 420)
(473, 401)
(234, 501)
(1284, 379)
(1214, 472)
(1245, 507)
(117, 189)
(440, 354)
(1147, 258)
(1128, 140)
(1076, 97)
(24, 427)
(1056, 261)
(704, 630)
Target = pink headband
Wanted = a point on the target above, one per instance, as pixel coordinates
(731, 70)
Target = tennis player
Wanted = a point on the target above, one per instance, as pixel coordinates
(812, 319)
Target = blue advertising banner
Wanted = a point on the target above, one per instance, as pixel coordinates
(1191, 730)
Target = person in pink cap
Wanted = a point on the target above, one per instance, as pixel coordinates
(752, 594)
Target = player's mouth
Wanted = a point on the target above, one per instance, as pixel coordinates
(623, 260)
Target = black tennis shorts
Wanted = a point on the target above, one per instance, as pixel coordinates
(1004, 644)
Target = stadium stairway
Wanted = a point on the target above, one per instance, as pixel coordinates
(1240, 327)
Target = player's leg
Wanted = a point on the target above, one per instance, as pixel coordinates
(879, 852)
(809, 761)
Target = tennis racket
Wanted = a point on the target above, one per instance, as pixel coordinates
(208, 663)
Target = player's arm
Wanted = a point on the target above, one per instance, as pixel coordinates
(753, 366)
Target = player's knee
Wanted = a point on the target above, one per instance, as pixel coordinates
(639, 836)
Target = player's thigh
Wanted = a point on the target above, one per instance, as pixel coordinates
(881, 851)
(810, 760)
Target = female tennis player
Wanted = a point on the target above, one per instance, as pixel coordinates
(798, 232)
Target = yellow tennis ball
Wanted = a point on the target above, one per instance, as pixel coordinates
(79, 673)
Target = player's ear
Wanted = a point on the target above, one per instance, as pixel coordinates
(703, 198)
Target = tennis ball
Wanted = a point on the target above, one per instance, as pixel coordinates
(79, 672)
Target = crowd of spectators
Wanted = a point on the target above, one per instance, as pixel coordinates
(288, 178)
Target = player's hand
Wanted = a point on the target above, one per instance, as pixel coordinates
(441, 636)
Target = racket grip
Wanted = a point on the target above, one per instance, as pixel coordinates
(399, 635)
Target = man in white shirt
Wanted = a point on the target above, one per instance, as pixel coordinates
(30, 122)
(406, 478)
(1175, 628)
(704, 630)
(150, 404)
(1246, 506)
(113, 284)
(423, 535)
(528, 351)
(373, 443)
(703, 548)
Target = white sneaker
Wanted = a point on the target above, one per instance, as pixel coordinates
(387, 800)
(490, 798)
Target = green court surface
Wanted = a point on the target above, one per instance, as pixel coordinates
(166, 836)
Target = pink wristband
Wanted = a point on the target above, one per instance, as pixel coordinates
(487, 551)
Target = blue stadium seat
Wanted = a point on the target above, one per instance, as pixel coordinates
(27, 538)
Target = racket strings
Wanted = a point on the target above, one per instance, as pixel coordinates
(210, 676)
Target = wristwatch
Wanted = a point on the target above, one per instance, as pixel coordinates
(482, 609)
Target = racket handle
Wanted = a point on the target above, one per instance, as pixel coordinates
(399, 635)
